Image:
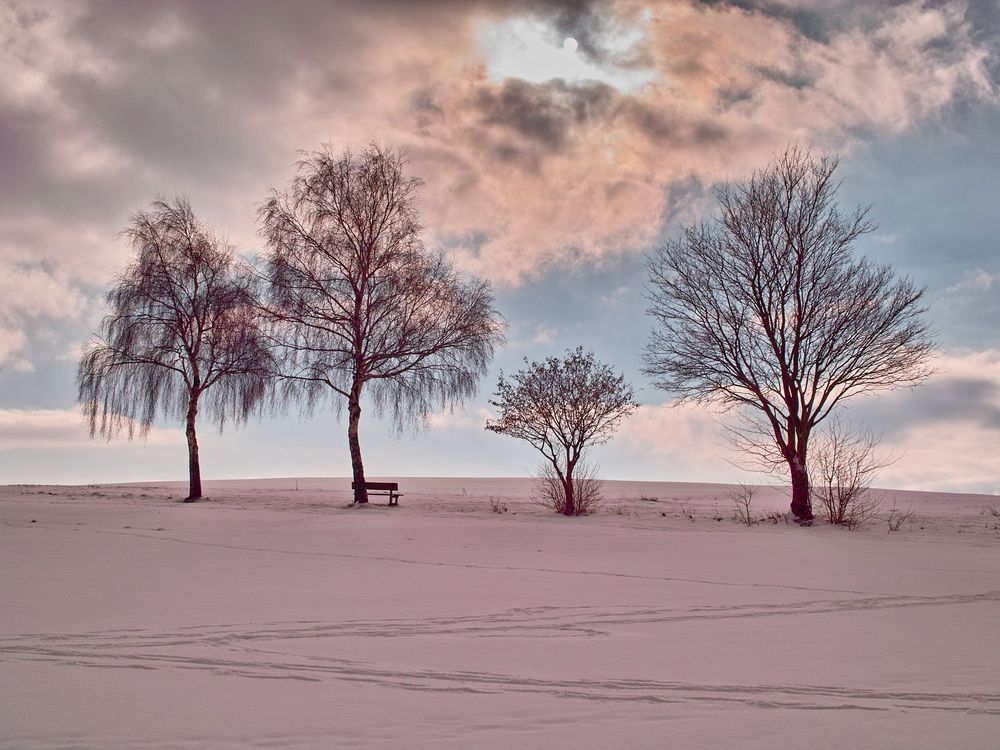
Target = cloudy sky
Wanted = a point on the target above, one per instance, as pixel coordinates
(559, 143)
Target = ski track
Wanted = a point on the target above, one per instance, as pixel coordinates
(231, 650)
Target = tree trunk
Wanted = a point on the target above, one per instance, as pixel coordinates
(801, 502)
(194, 465)
(357, 466)
(570, 508)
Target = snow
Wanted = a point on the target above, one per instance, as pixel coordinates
(273, 617)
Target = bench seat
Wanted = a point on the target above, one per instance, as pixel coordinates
(383, 488)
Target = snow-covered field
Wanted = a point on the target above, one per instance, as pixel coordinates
(273, 617)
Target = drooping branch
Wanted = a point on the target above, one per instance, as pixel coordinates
(182, 334)
(357, 304)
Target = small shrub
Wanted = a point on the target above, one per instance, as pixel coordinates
(742, 499)
(648, 499)
(896, 518)
(497, 505)
(842, 463)
(550, 492)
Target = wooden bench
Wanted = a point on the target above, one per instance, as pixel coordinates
(383, 488)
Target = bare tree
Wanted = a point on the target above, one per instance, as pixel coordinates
(842, 462)
(182, 335)
(766, 307)
(562, 407)
(356, 300)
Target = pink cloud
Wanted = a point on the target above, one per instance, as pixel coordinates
(520, 176)
(545, 173)
(956, 453)
(59, 428)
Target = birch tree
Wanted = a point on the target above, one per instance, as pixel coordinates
(182, 336)
(359, 307)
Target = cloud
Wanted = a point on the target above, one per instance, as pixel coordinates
(107, 104)
(37, 292)
(34, 298)
(460, 419)
(974, 282)
(945, 431)
(545, 334)
(683, 441)
(12, 341)
(614, 297)
(965, 389)
(542, 114)
(61, 428)
(947, 456)
(557, 172)
(942, 435)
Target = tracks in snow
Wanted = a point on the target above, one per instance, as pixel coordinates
(253, 651)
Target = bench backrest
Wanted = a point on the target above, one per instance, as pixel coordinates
(378, 485)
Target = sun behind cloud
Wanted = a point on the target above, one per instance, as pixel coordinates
(530, 49)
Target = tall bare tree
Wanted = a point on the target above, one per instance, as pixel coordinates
(766, 307)
(562, 407)
(182, 335)
(359, 305)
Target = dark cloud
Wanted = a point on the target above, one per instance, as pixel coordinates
(969, 400)
(730, 96)
(126, 100)
(544, 113)
(822, 22)
(548, 114)
(818, 24)
(585, 21)
(683, 196)
(654, 123)
(663, 126)
(983, 17)
(794, 79)
(21, 154)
